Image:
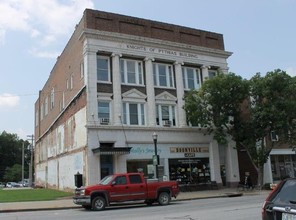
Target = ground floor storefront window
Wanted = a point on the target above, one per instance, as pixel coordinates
(283, 166)
(190, 170)
(143, 166)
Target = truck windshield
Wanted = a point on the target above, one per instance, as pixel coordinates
(106, 180)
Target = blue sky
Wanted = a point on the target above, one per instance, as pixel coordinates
(260, 33)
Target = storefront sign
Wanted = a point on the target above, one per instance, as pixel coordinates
(189, 149)
(189, 155)
(160, 51)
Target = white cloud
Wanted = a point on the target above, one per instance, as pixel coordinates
(43, 54)
(9, 100)
(291, 71)
(40, 19)
(2, 37)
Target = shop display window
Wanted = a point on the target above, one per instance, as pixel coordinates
(190, 170)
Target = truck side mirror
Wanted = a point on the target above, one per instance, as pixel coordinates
(113, 183)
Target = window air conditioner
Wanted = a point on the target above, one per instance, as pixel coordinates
(166, 123)
(104, 121)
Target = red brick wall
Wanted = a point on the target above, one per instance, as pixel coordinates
(67, 65)
(152, 29)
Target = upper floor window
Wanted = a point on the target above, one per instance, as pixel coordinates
(131, 71)
(165, 115)
(191, 78)
(103, 69)
(212, 73)
(163, 75)
(52, 98)
(81, 69)
(133, 113)
(46, 106)
(104, 112)
(71, 81)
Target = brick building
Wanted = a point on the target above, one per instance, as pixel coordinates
(119, 80)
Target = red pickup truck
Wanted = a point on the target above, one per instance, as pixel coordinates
(125, 187)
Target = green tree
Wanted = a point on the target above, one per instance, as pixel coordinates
(272, 112)
(13, 174)
(217, 105)
(246, 111)
(11, 153)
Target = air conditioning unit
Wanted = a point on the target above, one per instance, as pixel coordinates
(166, 123)
(104, 121)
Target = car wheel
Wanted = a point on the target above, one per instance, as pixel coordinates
(164, 198)
(98, 203)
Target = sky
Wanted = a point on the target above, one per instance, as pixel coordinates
(260, 33)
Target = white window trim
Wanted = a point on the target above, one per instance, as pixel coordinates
(109, 71)
(126, 104)
(138, 75)
(167, 67)
(171, 118)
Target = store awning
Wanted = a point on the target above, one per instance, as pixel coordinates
(111, 150)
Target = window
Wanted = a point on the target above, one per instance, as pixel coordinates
(81, 69)
(165, 115)
(133, 114)
(131, 72)
(46, 106)
(163, 75)
(134, 179)
(52, 98)
(67, 84)
(191, 78)
(120, 180)
(42, 111)
(36, 117)
(104, 112)
(71, 82)
(103, 69)
(212, 73)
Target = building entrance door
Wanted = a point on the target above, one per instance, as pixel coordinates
(106, 165)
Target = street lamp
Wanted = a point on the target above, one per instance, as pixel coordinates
(155, 157)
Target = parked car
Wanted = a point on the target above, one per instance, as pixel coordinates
(281, 202)
(13, 185)
(2, 185)
(125, 187)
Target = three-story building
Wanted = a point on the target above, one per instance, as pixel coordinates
(119, 80)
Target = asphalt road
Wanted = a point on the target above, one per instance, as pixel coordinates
(232, 208)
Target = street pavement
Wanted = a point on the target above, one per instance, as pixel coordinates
(67, 203)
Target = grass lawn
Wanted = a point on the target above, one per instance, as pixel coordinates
(21, 195)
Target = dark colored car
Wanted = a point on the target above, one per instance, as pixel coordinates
(281, 202)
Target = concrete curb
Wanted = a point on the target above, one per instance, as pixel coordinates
(50, 205)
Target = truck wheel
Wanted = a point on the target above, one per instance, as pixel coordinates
(164, 198)
(98, 203)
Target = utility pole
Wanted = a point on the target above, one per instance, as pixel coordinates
(31, 138)
(23, 162)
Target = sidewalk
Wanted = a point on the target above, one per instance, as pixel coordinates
(67, 203)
